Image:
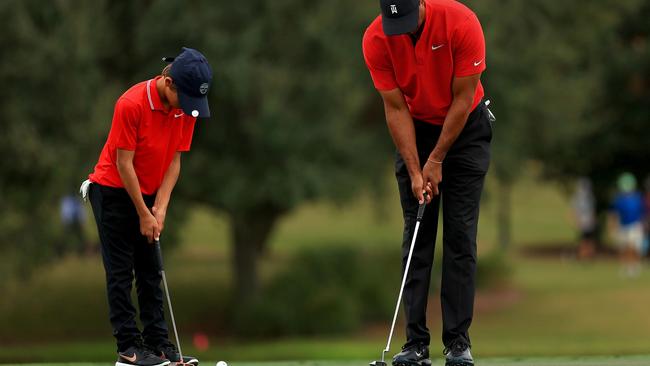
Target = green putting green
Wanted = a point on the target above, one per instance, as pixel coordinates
(569, 361)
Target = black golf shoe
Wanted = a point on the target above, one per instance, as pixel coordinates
(458, 354)
(139, 355)
(169, 352)
(415, 355)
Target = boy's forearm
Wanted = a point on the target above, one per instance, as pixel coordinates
(169, 182)
(132, 186)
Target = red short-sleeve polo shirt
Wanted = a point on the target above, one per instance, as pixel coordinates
(141, 124)
(451, 45)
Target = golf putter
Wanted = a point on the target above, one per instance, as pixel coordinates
(401, 289)
(169, 301)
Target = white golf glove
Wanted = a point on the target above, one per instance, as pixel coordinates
(83, 190)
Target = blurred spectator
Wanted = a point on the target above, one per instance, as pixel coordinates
(584, 211)
(646, 239)
(73, 217)
(628, 219)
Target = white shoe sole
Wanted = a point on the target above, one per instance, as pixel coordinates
(192, 361)
(164, 363)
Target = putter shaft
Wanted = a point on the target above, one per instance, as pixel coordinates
(401, 290)
(171, 313)
(420, 215)
(169, 300)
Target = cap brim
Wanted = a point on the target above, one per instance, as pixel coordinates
(402, 25)
(190, 104)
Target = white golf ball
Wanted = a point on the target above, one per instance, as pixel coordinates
(195, 114)
(222, 363)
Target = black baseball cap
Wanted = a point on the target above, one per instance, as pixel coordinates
(399, 16)
(192, 76)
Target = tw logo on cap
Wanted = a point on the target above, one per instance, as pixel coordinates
(203, 89)
(393, 9)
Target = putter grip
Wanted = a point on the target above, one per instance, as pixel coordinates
(422, 207)
(159, 259)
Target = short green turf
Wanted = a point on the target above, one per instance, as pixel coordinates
(575, 361)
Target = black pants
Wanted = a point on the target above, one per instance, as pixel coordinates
(463, 173)
(126, 252)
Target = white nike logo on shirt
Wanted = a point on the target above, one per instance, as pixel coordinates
(478, 63)
(434, 47)
(177, 115)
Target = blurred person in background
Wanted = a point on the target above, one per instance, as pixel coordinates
(130, 190)
(584, 214)
(627, 219)
(73, 217)
(646, 199)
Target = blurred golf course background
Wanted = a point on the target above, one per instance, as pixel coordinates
(282, 240)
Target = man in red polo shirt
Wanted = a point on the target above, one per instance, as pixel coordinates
(130, 189)
(425, 58)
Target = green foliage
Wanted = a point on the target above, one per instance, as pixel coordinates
(543, 77)
(621, 108)
(337, 290)
(51, 98)
(288, 103)
(295, 116)
(290, 100)
(492, 271)
(326, 291)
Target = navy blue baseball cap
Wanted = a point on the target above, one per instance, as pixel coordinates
(192, 77)
(399, 16)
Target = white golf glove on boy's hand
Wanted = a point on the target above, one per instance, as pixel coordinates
(83, 190)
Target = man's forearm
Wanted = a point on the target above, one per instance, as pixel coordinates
(169, 182)
(400, 125)
(132, 186)
(454, 123)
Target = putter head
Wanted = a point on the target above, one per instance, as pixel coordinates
(378, 363)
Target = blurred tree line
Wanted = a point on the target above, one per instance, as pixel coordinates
(295, 117)
(555, 76)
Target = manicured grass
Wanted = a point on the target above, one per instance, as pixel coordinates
(553, 307)
(593, 361)
(569, 308)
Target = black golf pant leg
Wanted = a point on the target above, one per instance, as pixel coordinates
(115, 216)
(460, 219)
(150, 294)
(464, 172)
(416, 289)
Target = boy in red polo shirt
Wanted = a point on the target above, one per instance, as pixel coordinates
(129, 191)
(425, 58)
